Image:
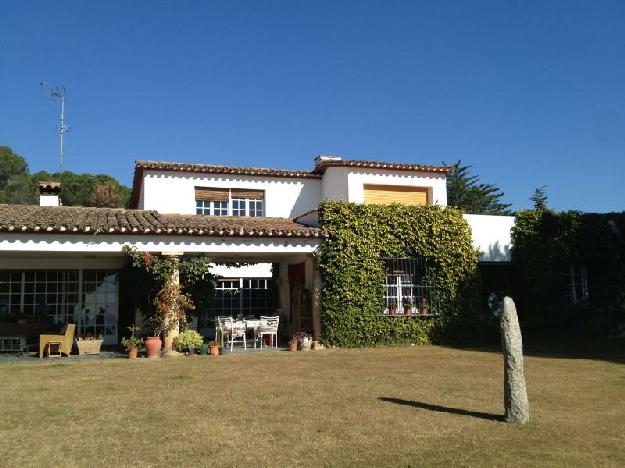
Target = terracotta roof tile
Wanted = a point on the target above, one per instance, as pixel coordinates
(391, 166)
(85, 220)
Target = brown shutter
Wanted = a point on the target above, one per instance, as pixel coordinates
(404, 195)
(249, 194)
(209, 193)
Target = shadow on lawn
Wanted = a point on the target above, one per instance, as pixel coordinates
(599, 350)
(443, 409)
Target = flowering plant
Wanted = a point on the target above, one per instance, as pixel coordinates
(89, 337)
(302, 336)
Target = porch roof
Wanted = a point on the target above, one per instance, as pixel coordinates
(88, 220)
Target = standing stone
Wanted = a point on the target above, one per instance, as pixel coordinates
(516, 405)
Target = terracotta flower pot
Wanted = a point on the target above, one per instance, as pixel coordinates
(153, 346)
(407, 310)
(425, 311)
(392, 311)
(132, 353)
(293, 347)
(315, 344)
(214, 350)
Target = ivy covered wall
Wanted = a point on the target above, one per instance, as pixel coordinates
(550, 251)
(352, 268)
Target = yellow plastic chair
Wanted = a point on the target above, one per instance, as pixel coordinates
(67, 340)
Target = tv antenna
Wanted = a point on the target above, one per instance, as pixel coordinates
(57, 92)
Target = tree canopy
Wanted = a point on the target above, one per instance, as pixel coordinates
(466, 192)
(539, 198)
(17, 185)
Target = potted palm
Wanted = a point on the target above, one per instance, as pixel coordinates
(132, 343)
(392, 308)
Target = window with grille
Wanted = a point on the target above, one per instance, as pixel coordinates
(577, 279)
(408, 285)
(10, 292)
(87, 298)
(243, 296)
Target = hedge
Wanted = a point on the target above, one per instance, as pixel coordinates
(352, 268)
(545, 245)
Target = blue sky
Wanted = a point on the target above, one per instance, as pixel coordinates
(528, 92)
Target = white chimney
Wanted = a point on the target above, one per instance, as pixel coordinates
(324, 158)
(49, 193)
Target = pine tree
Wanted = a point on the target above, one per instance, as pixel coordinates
(464, 191)
(539, 198)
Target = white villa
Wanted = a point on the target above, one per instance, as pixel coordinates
(62, 263)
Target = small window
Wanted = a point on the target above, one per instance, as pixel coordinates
(220, 208)
(211, 207)
(577, 279)
(202, 207)
(238, 207)
(256, 207)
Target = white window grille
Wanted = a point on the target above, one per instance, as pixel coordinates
(242, 297)
(408, 284)
(255, 207)
(85, 297)
(211, 207)
(577, 283)
(239, 207)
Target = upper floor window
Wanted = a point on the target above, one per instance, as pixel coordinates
(402, 194)
(229, 202)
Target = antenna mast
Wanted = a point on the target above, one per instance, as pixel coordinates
(58, 93)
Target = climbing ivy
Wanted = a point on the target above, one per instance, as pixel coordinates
(546, 245)
(352, 267)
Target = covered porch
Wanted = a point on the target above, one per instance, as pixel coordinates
(56, 275)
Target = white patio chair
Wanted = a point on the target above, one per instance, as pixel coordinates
(223, 327)
(268, 326)
(237, 330)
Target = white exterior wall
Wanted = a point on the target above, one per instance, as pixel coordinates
(347, 183)
(334, 184)
(173, 192)
(256, 270)
(492, 236)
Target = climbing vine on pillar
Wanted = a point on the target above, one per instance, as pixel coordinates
(170, 298)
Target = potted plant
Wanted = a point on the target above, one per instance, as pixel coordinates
(189, 341)
(407, 303)
(293, 344)
(305, 340)
(315, 344)
(214, 347)
(132, 343)
(425, 309)
(89, 344)
(392, 308)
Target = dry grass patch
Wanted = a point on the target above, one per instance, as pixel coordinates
(384, 407)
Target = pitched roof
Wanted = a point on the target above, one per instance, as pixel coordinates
(87, 220)
(322, 163)
(325, 162)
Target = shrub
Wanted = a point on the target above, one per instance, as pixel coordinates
(188, 339)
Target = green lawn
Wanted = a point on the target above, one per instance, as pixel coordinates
(405, 406)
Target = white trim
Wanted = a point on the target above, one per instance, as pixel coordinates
(162, 244)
